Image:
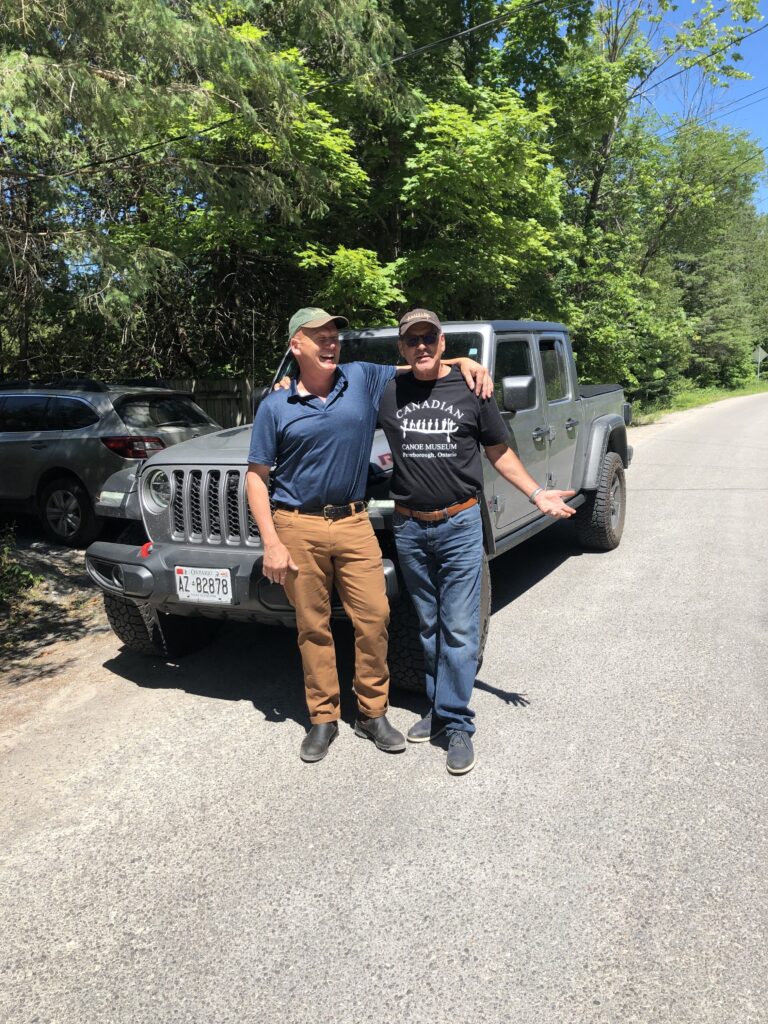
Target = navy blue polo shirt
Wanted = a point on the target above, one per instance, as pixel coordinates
(321, 450)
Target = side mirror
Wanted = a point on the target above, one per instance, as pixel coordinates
(259, 396)
(518, 393)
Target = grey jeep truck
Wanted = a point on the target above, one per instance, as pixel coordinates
(192, 557)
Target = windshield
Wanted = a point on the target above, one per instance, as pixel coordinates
(383, 349)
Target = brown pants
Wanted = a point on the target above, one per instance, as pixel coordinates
(346, 553)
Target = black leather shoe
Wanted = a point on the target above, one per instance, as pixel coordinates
(381, 732)
(315, 744)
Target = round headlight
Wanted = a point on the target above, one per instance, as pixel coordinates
(158, 490)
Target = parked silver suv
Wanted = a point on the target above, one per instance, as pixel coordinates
(60, 440)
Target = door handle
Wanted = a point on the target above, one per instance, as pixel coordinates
(540, 434)
(570, 424)
(38, 445)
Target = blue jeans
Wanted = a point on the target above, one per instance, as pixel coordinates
(442, 567)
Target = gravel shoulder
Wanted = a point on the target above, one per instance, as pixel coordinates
(56, 628)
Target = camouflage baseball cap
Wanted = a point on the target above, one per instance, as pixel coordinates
(313, 316)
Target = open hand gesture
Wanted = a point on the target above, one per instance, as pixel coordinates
(551, 504)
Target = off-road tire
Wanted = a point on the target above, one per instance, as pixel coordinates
(406, 661)
(129, 625)
(600, 520)
(66, 513)
(148, 632)
(169, 636)
(404, 655)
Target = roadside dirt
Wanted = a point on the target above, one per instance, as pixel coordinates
(59, 624)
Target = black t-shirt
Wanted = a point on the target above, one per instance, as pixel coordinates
(434, 429)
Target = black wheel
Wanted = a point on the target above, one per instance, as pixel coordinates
(406, 661)
(148, 632)
(129, 624)
(67, 513)
(600, 520)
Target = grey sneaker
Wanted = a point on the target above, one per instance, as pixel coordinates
(461, 753)
(425, 729)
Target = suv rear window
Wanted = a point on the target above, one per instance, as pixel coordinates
(147, 411)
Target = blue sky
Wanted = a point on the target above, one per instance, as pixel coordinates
(753, 118)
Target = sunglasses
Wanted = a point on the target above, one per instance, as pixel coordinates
(414, 340)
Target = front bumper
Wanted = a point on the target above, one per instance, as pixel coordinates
(148, 574)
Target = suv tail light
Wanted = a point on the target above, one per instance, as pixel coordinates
(130, 446)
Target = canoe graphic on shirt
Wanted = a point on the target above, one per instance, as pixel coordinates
(444, 426)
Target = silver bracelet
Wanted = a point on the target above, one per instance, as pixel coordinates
(532, 495)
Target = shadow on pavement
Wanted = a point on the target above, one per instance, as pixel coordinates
(251, 662)
(247, 662)
(261, 664)
(517, 700)
(515, 572)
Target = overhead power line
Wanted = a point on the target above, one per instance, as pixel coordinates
(654, 85)
(716, 49)
(735, 167)
(727, 110)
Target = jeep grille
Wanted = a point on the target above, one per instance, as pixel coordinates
(209, 506)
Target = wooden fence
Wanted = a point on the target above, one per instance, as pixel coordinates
(229, 401)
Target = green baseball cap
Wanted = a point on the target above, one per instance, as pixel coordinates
(313, 316)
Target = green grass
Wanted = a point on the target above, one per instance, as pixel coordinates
(690, 399)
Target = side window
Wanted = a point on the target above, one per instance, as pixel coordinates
(70, 414)
(554, 368)
(22, 413)
(513, 359)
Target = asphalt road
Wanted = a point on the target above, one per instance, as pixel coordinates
(167, 857)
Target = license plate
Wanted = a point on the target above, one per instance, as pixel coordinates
(203, 586)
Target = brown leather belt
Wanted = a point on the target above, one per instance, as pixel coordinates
(438, 515)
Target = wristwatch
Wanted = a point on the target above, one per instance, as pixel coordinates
(533, 494)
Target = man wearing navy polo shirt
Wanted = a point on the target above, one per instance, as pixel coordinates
(318, 434)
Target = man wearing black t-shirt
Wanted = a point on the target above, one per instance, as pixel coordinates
(435, 426)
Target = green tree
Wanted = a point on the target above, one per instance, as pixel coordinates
(516, 170)
(481, 208)
(142, 244)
